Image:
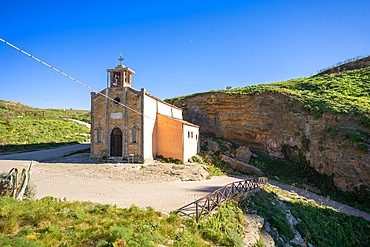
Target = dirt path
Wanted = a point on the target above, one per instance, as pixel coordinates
(323, 200)
(81, 122)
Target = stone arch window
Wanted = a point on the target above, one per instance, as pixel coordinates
(98, 133)
(134, 134)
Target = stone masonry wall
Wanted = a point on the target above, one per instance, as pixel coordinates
(102, 108)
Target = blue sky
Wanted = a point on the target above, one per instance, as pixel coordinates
(175, 47)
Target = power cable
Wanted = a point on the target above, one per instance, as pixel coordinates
(81, 83)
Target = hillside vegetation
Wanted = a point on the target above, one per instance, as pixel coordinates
(342, 92)
(348, 65)
(51, 222)
(23, 128)
(290, 215)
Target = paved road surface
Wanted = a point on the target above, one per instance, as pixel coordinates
(47, 154)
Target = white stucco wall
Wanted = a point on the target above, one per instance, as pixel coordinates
(152, 106)
(191, 141)
(150, 113)
(169, 111)
(164, 109)
(177, 113)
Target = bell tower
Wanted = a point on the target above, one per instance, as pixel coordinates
(121, 76)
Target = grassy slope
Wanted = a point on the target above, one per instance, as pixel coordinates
(9, 110)
(342, 92)
(24, 128)
(49, 222)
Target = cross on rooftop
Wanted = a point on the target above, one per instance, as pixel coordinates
(120, 59)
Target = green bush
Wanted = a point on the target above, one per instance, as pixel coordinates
(225, 227)
(215, 166)
(359, 140)
(355, 137)
(168, 160)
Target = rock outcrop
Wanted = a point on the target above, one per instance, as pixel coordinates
(212, 146)
(278, 125)
(252, 231)
(243, 154)
(241, 166)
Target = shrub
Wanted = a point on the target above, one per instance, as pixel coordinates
(359, 140)
(168, 160)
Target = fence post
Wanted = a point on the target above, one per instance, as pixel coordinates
(196, 212)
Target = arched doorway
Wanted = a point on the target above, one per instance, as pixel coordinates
(116, 142)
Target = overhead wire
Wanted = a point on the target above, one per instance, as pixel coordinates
(82, 83)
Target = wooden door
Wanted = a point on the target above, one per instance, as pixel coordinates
(116, 142)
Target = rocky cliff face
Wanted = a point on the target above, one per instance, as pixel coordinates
(279, 126)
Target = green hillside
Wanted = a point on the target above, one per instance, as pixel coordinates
(350, 64)
(23, 128)
(342, 92)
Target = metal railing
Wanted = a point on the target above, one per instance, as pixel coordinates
(210, 202)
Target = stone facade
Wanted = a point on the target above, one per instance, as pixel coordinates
(133, 125)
